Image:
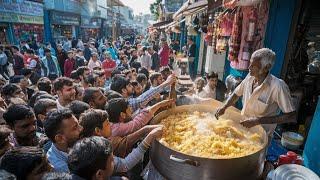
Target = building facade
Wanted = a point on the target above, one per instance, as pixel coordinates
(21, 21)
(62, 19)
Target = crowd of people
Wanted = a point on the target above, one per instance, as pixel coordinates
(81, 110)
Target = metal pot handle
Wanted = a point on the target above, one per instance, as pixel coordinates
(184, 161)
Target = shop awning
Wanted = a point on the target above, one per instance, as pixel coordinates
(174, 23)
(191, 8)
(161, 24)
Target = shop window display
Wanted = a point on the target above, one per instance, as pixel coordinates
(25, 32)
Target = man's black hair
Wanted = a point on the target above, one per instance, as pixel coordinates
(154, 76)
(91, 119)
(34, 96)
(212, 75)
(110, 94)
(60, 82)
(30, 51)
(165, 70)
(118, 83)
(81, 70)
(89, 155)
(78, 107)
(20, 161)
(9, 89)
(141, 77)
(46, 50)
(42, 105)
(74, 75)
(53, 122)
(115, 72)
(144, 71)
(15, 47)
(89, 93)
(16, 78)
(92, 79)
(17, 112)
(44, 84)
(136, 65)
(134, 83)
(56, 176)
(115, 107)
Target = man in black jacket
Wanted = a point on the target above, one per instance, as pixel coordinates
(191, 58)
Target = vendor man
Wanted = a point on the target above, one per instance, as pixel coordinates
(263, 95)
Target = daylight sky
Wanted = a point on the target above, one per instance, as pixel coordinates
(139, 6)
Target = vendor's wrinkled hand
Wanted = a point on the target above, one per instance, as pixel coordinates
(220, 112)
(248, 123)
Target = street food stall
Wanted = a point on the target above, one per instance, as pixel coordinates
(174, 161)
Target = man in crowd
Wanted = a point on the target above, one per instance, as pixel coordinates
(83, 73)
(156, 79)
(145, 59)
(191, 57)
(108, 65)
(41, 108)
(26, 162)
(95, 98)
(80, 59)
(63, 129)
(215, 89)
(65, 90)
(22, 121)
(50, 66)
(18, 63)
(69, 64)
(164, 53)
(61, 57)
(155, 59)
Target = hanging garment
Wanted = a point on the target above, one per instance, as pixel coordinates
(235, 38)
(257, 17)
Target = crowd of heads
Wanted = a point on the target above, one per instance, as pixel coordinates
(75, 112)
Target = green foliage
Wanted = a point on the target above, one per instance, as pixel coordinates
(154, 8)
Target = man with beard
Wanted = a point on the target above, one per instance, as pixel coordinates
(65, 90)
(63, 129)
(22, 121)
(95, 98)
(83, 73)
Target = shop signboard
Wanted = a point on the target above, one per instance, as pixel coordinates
(19, 18)
(63, 18)
(88, 22)
(24, 7)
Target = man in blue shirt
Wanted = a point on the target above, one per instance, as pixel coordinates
(63, 129)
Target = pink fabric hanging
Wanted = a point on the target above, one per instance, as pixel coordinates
(248, 46)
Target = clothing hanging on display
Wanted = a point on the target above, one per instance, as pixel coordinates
(251, 31)
(235, 38)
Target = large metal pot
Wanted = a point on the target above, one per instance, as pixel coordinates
(174, 165)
